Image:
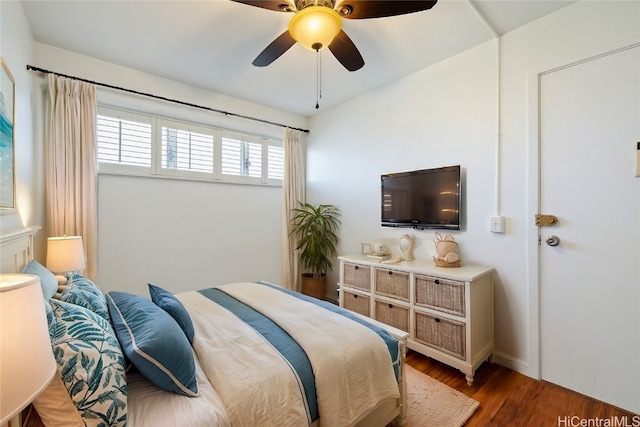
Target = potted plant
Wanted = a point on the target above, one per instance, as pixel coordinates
(315, 228)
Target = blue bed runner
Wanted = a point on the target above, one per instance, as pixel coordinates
(288, 348)
(391, 342)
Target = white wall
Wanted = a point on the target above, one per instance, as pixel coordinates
(393, 130)
(16, 51)
(186, 235)
(181, 235)
(444, 115)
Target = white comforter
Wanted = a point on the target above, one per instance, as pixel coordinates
(351, 363)
(150, 406)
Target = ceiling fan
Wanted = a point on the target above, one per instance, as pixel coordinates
(317, 24)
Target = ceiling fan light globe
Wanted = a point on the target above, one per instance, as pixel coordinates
(315, 26)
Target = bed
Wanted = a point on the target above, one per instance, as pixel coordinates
(241, 354)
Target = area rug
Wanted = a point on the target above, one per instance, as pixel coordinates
(431, 403)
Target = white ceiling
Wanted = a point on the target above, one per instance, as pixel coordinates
(211, 44)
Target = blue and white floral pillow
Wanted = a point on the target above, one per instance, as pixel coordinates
(90, 363)
(82, 291)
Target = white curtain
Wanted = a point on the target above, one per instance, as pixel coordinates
(71, 165)
(294, 192)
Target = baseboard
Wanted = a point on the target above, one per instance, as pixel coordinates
(514, 364)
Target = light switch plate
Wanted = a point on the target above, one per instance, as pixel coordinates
(497, 224)
(638, 159)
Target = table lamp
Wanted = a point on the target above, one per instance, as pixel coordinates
(27, 363)
(65, 254)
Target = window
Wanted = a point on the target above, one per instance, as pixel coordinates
(134, 143)
(275, 169)
(124, 139)
(186, 150)
(241, 156)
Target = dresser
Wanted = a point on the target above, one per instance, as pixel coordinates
(448, 312)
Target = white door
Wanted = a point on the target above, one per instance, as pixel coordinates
(590, 281)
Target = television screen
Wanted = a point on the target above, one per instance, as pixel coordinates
(427, 198)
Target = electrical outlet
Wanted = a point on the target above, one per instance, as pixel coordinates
(497, 224)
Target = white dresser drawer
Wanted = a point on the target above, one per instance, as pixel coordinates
(440, 294)
(357, 276)
(392, 314)
(392, 283)
(444, 334)
(356, 302)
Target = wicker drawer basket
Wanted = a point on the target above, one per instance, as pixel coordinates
(440, 294)
(392, 314)
(356, 302)
(443, 334)
(392, 283)
(357, 276)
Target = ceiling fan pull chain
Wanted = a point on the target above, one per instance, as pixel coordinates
(318, 77)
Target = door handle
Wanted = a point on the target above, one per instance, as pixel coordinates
(552, 240)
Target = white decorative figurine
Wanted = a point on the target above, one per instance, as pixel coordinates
(406, 247)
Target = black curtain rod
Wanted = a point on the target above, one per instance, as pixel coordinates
(150, 95)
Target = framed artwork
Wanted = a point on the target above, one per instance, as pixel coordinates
(7, 141)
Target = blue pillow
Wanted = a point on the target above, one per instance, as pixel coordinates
(48, 280)
(90, 363)
(153, 342)
(83, 292)
(169, 303)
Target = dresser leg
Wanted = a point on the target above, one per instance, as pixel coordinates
(469, 379)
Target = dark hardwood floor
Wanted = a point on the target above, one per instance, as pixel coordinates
(508, 398)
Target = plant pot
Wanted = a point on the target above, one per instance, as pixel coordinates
(314, 286)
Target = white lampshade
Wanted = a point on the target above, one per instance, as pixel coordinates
(65, 254)
(27, 364)
(315, 27)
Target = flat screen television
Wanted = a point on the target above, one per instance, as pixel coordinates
(426, 198)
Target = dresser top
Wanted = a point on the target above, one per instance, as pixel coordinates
(466, 272)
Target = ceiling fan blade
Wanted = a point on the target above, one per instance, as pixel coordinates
(363, 9)
(274, 50)
(346, 52)
(277, 5)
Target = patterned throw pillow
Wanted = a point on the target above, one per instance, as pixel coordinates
(90, 363)
(83, 292)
